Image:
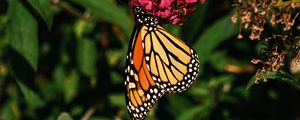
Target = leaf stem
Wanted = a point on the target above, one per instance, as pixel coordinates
(88, 114)
(83, 15)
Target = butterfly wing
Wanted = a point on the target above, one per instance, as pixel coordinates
(157, 62)
(173, 65)
(141, 90)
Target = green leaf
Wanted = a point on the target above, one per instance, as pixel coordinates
(198, 112)
(116, 77)
(194, 22)
(200, 90)
(114, 56)
(64, 116)
(109, 11)
(176, 108)
(262, 76)
(4, 43)
(216, 82)
(10, 111)
(32, 99)
(77, 110)
(99, 118)
(117, 100)
(22, 32)
(218, 60)
(71, 83)
(59, 74)
(83, 27)
(285, 77)
(43, 7)
(279, 75)
(251, 82)
(87, 56)
(213, 36)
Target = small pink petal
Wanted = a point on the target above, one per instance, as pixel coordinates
(165, 3)
(191, 1)
(147, 4)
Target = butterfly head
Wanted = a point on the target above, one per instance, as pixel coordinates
(145, 19)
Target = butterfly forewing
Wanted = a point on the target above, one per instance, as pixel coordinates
(141, 90)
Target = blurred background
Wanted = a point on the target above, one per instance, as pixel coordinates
(65, 59)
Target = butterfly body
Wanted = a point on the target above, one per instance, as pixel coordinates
(157, 62)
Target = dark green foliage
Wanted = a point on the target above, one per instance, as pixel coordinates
(66, 60)
(43, 8)
(22, 32)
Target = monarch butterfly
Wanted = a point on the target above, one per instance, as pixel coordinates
(157, 62)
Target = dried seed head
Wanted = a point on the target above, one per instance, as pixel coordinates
(255, 61)
(240, 36)
(234, 18)
(295, 64)
(255, 32)
(273, 19)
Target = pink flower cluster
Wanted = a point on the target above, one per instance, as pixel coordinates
(167, 10)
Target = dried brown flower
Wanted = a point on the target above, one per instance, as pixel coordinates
(295, 63)
(253, 15)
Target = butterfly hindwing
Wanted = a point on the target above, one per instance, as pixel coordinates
(173, 65)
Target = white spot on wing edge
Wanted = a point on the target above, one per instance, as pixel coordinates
(131, 85)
